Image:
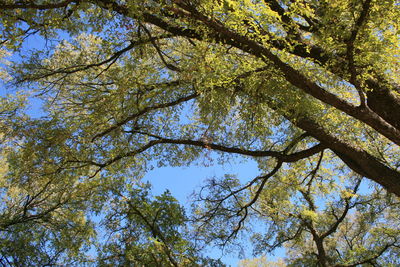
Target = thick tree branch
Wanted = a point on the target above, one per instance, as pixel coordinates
(222, 34)
(32, 5)
(282, 156)
(293, 76)
(358, 160)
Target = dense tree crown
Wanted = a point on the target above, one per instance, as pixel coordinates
(308, 89)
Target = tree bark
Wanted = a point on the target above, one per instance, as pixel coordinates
(358, 160)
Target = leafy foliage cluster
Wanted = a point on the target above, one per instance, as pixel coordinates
(308, 89)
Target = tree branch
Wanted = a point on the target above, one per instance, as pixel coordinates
(31, 5)
(144, 111)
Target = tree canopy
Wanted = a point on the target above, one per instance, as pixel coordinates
(308, 89)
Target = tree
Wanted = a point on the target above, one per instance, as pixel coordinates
(322, 55)
(48, 211)
(43, 218)
(278, 81)
(144, 232)
(320, 222)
